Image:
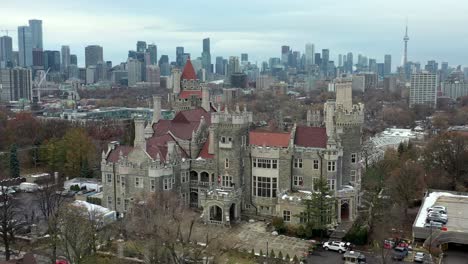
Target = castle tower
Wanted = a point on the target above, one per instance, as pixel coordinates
(205, 98)
(175, 80)
(140, 141)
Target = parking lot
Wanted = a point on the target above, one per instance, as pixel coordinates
(330, 257)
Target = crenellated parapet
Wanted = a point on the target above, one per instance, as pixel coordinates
(350, 118)
(236, 117)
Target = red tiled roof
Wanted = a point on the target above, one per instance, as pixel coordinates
(183, 123)
(189, 93)
(314, 137)
(204, 152)
(114, 154)
(188, 73)
(158, 145)
(269, 139)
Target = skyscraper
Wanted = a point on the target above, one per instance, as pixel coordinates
(423, 89)
(35, 26)
(134, 71)
(244, 58)
(73, 59)
(309, 54)
(52, 60)
(206, 55)
(6, 51)
(65, 58)
(179, 56)
(220, 65)
(25, 46)
(93, 54)
(387, 64)
(349, 62)
(164, 65)
(233, 66)
(153, 53)
(325, 59)
(284, 54)
(141, 46)
(16, 84)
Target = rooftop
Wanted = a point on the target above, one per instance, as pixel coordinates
(269, 139)
(314, 137)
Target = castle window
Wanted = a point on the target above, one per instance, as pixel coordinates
(153, 185)
(264, 186)
(109, 177)
(226, 163)
(138, 182)
(123, 182)
(109, 201)
(302, 217)
(352, 175)
(244, 140)
(298, 181)
(353, 157)
(126, 202)
(287, 216)
(316, 164)
(274, 164)
(297, 163)
(184, 177)
(118, 179)
(226, 181)
(331, 185)
(119, 200)
(332, 166)
(167, 184)
(230, 139)
(223, 139)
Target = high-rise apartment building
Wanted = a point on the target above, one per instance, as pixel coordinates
(6, 51)
(16, 84)
(285, 54)
(387, 64)
(349, 62)
(134, 71)
(25, 46)
(233, 66)
(164, 65)
(325, 59)
(423, 89)
(35, 26)
(93, 54)
(65, 58)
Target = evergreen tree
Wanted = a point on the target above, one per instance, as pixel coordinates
(14, 162)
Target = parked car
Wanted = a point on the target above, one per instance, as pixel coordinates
(341, 247)
(28, 187)
(389, 243)
(434, 225)
(419, 257)
(399, 253)
(438, 208)
(437, 218)
(351, 257)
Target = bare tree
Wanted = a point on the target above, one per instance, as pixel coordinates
(50, 203)
(10, 220)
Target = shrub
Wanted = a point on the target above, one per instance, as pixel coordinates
(261, 253)
(252, 252)
(272, 254)
(280, 255)
(288, 258)
(279, 225)
(357, 235)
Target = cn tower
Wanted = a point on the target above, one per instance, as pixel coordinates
(405, 39)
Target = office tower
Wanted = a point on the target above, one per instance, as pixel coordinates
(387, 65)
(91, 74)
(16, 84)
(25, 46)
(73, 59)
(134, 71)
(423, 89)
(340, 60)
(244, 57)
(141, 46)
(465, 73)
(219, 66)
(233, 66)
(93, 54)
(381, 69)
(153, 53)
(35, 26)
(179, 56)
(349, 62)
(309, 54)
(164, 65)
(65, 58)
(318, 59)
(444, 71)
(373, 65)
(185, 57)
(6, 51)
(390, 83)
(206, 55)
(432, 66)
(38, 59)
(52, 60)
(325, 59)
(153, 75)
(285, 54)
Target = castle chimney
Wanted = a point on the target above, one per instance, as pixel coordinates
(156, 109)
(205, 99)
(211, 139)
(309, 117)
(170, 150)
(140, 141)
(175, 78)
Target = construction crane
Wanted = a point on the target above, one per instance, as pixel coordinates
(38, 85)
(6, 31)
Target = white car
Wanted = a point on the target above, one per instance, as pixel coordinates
(419, 257)
(341, 247)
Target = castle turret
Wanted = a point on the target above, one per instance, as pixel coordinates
(175, 80)
(205, 98)
(140, 141)
(156, 109)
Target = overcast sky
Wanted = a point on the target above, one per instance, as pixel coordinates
(437, 29)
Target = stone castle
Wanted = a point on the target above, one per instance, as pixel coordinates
(213, 159)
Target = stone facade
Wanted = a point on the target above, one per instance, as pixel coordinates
(217, 163)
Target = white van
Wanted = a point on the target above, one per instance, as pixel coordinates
(28, 187)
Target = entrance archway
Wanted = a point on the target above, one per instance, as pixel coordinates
(344, 211)
(232, 213)
(193, 176)
(216, 213)
(193, 199)
(204, 177)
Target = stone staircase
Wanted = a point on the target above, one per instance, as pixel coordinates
(341, 230)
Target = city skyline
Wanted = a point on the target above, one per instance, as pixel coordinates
(231, 35)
